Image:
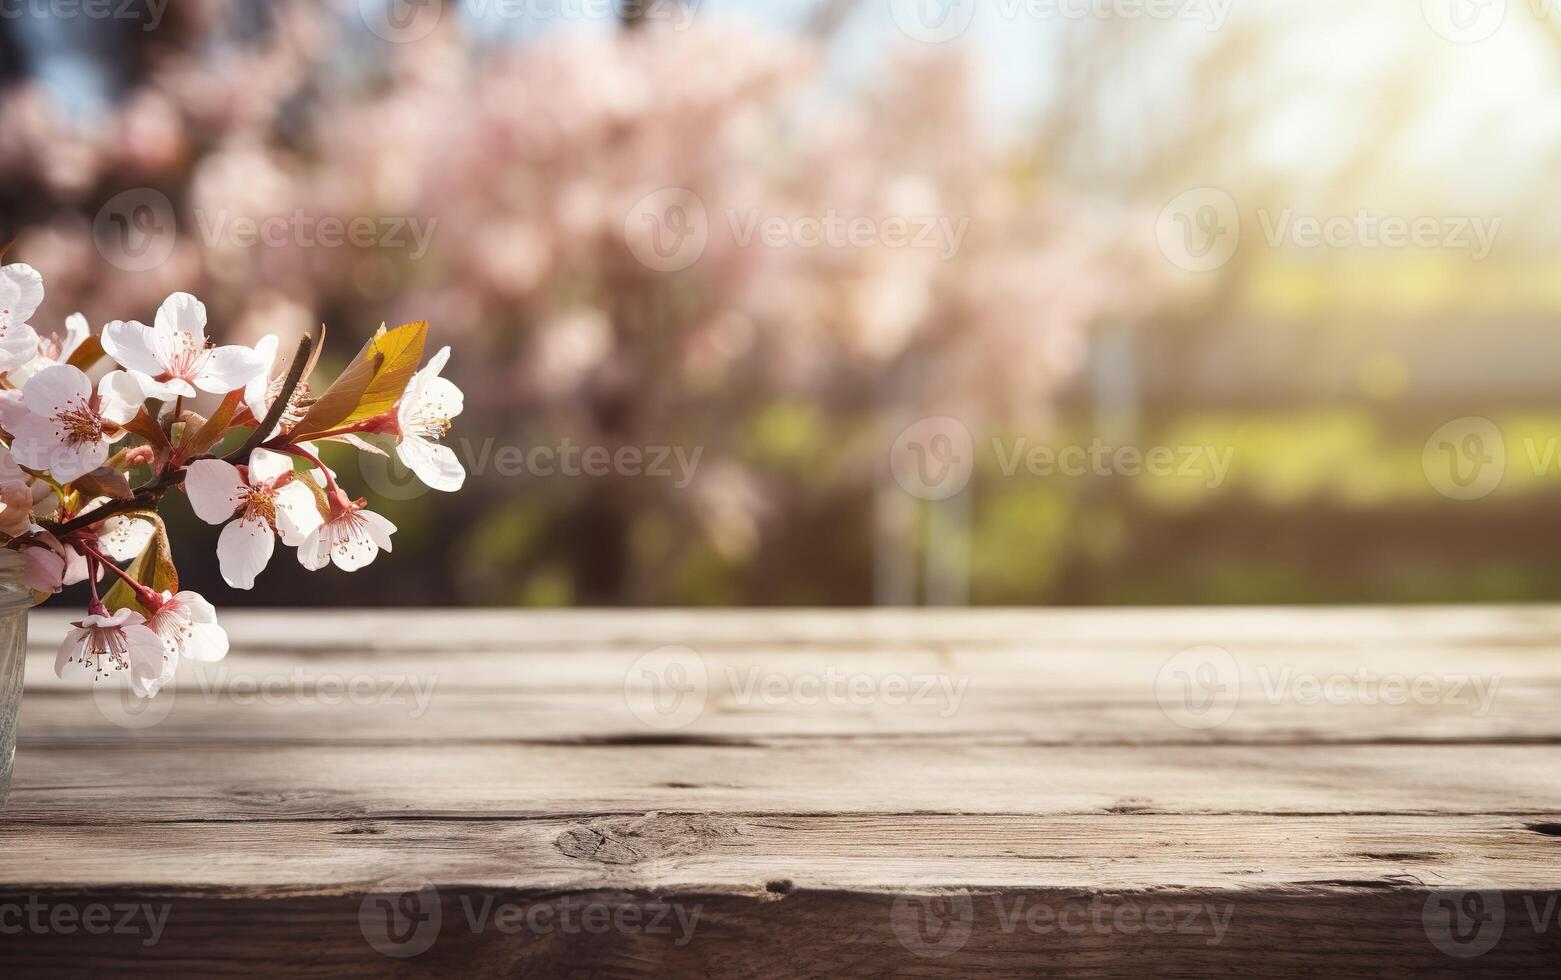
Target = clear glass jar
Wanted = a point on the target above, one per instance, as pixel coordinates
(15, 600)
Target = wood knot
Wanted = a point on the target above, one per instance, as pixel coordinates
(630, 840)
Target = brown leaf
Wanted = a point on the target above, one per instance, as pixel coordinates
(87, 354)
(146, 427)
(208, 434)
(105, 481)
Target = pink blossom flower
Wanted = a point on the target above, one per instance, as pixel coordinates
(268, 502)
(66, 428)
(21, 290)
(16, 496)
(102, 643)
(423, 417)
(171, 358)
(352, 538)
(187, 626)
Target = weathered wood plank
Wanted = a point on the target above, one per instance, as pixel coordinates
(146, 782)
(754, 854)
(1363, 628)
(1135, 694)
(1334, 932)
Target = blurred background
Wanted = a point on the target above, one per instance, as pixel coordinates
(831, 302)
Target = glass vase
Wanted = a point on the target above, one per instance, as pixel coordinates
(15, 600)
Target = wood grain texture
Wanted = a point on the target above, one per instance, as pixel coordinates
(345, 779)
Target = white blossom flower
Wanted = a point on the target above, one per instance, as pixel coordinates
(21, 290)
(66, 429)
(423, 417)
(352, 538)
(187, 624)
(171, 358)
(268, 502)
(55, 348)
(102, 643)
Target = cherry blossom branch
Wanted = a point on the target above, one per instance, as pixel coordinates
(147, 496)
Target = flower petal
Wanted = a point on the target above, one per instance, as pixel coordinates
(258, 388)
(243, 550)
(226, 369)
(57, 388)
(434, 464)
(181, 313)
(265, 466)
(296, 513)
(120, 396)
(77, 329)
(70, 662)
(28, 283)
(43, 570)
(215, 489)
(123, 538)
(130, 343)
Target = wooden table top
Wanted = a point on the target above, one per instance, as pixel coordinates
(973, 793)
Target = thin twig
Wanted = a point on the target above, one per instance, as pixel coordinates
(295, 376)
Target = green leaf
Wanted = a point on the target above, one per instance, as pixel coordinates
(153, 568)
(372, 383)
